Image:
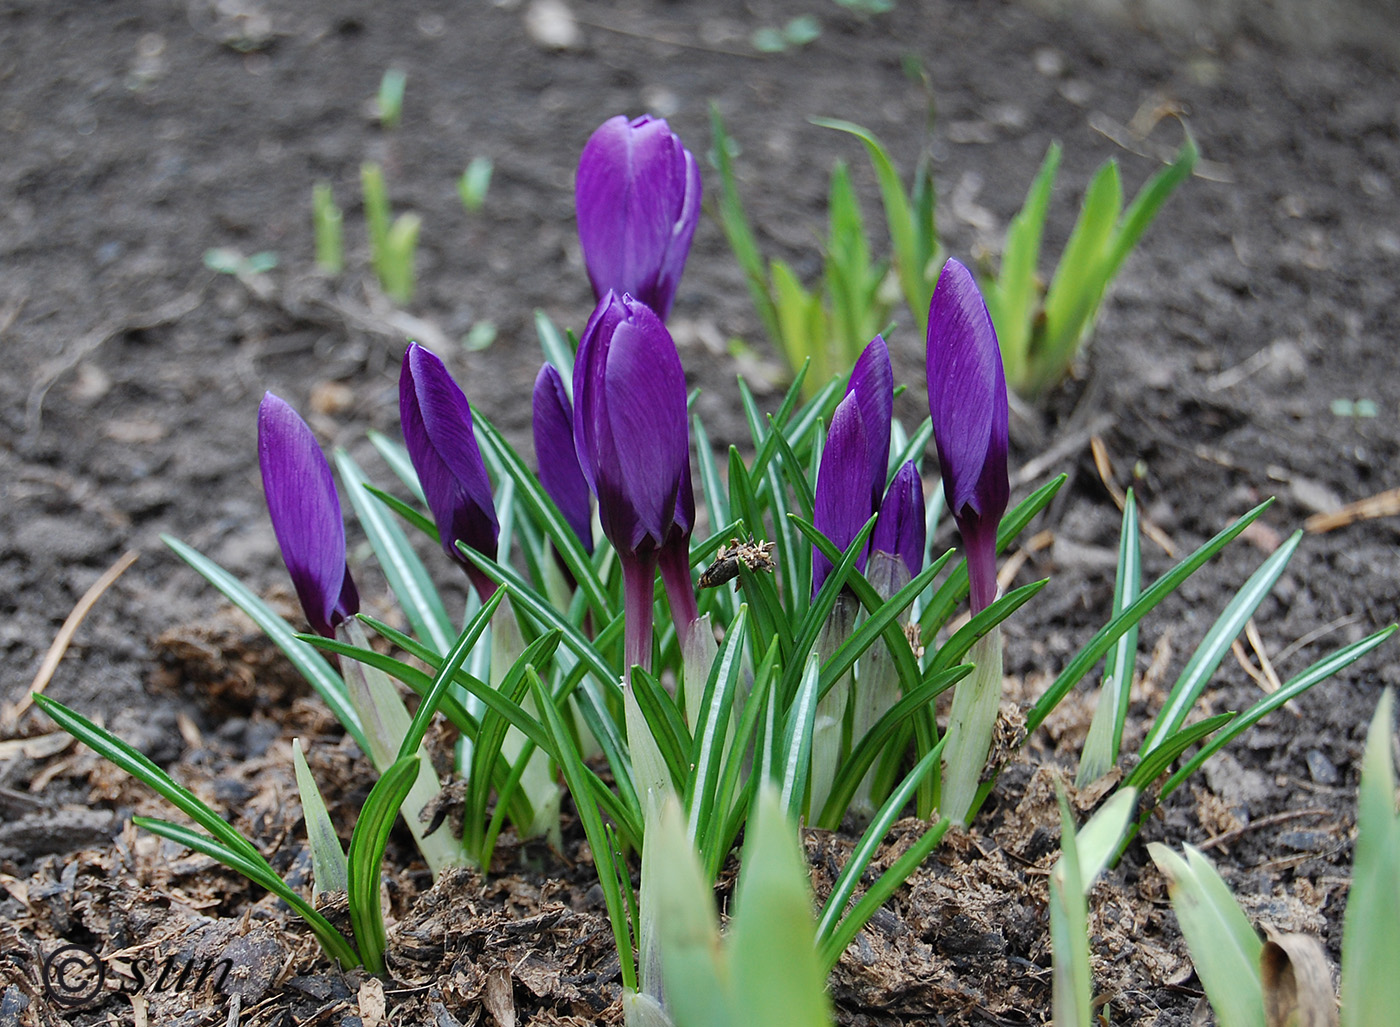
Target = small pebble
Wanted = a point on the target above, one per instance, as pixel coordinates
(1321, 769)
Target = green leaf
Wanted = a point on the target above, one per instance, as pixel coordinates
(845, 884)
(728, 803)
(306, 660)
(414, 678)
(1080, 277)
(408, 578)
(867, 749)
(396, 456)
(1223, 945)
(475, 181)
(879, 893)
(1072, 978)
(665, 725)
(796, 750)
(466, 642)
(327, 857)
(962, 640)
(1156, 763)
(1295, 686)
(695, 969)
(135, 763)
(333, 943)
(1371, 932)
(1149, 200)
(1014, 296)
(1106, 729)
(557, 350)
(1097, 646)
(600, 845)
(366, 857)
(801, 322)
(1216, 644)
(777, 976)
(1099, 839)
(707, 748)
(904, 234)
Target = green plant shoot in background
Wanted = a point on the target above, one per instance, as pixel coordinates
(1041, 329)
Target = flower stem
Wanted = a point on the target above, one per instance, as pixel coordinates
(638, 585)
(680, 590)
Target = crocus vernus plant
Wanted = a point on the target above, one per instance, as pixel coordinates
(305, 511)
(633, 445)
(638, 202)
(437, 429)
(968, 406)
(560, 474)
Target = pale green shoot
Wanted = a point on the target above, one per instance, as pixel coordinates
(328, 223)
(1371, 933)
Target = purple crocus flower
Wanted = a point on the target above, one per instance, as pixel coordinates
(305, 512)
(560, 473)
(633, 445)
(437, 429)
(842, 499)
(872, 383)
(899, 529)
(967, 402)
(849, 488)
(638, 200)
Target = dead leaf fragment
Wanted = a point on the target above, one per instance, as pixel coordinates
(372, 1002)
(499, 997)
(1297, 982)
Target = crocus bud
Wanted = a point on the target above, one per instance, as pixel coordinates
(437, 429)
(842, 498)
(967, 402)
(305, 512)
(872, 383)
(558, 458)
(638, 201)
(630, 425)
(899, 529)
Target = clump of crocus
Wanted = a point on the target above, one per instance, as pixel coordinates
(638, 202)
(967, 402)
(305, 511)
(437, 429)
(560, 474)
(633, 445)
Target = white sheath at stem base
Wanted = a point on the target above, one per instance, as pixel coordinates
(976, 701)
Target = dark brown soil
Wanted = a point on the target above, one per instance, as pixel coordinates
(134, 137)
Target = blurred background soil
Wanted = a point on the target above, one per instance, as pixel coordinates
(1248, 350)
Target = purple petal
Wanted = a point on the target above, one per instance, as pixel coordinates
(899, 530)
(305, 512)
(630, 422)
(872, 382)
(437, 428)
(560, 473)
(967, 398)
(841, 509)
(638, 201)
